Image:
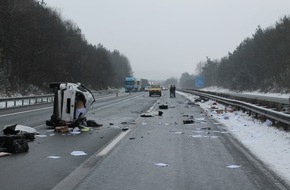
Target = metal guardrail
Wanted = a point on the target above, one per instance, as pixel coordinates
(275, 115)
(25, 100)
(40, 99)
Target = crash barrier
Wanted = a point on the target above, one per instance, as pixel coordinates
(277, 104)
(25, 100)
(39, 99)
(268, 113)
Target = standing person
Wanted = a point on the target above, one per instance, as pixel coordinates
(173, 89)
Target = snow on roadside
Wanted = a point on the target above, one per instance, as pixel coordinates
(217, 89)
(269, 144)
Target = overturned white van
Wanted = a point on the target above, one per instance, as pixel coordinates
(66, 96)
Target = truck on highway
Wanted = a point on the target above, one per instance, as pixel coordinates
(130, 84)
(142, 83)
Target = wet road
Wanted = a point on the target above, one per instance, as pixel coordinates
(34, 170)
(194, 156)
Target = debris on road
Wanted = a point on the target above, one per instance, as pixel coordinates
(53, 157)
(16, 129)
(62, 129)
(146, 115)
(78, 153)
(233, 166)
(188, 121)
(161, 164)
(163, 106)
(92, 123)
(75, 131)
(14, 143)
(125, 128)
(4, 154)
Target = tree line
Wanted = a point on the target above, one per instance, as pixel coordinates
(260, 62)
(37, 47)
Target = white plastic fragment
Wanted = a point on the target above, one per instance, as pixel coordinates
(78, 153)
(53, 157)
(161, 164)
(233, 166)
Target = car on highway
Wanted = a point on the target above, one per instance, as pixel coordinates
(155, 89)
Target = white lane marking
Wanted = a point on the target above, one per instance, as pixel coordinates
(106, 106)
(113, 144)
(16, 113)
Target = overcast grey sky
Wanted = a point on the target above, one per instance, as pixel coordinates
(165, 38)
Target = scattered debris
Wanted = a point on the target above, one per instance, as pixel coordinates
(164, 106)
(146, 115)
(92, 123)
(53, 157)
(161, 164)
(188, 121)
(75, 131)
(206, 128)
(4, 154)
(131, 138)
(233, 166)
(62, 129)
(125, 129)
(85, 129)
(16, 129)
(14, 143)
(78, 153)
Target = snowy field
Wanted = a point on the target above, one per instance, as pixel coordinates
(266, 142)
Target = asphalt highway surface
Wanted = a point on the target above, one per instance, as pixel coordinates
(34, 170)
(133, 152)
